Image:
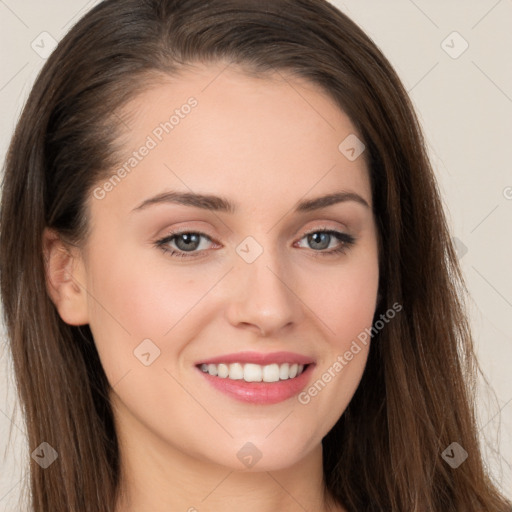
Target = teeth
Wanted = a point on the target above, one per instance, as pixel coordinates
(222, 370)
(271, 373)
(254, 372)
(236, 371)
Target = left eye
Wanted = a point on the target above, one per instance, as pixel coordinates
(189, 242)
(319, 237)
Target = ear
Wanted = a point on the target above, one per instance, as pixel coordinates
(65, 278)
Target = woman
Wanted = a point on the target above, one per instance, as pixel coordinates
(255, 369)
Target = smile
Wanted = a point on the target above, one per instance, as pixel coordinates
(250, 372)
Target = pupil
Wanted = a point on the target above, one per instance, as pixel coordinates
(315, 237)
(189, 240)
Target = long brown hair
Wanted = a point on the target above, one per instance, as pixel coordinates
(416, 396)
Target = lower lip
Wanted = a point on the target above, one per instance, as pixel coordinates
(260, 392)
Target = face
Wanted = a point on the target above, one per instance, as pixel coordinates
(176, 291)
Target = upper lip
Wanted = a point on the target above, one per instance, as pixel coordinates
(259, 358)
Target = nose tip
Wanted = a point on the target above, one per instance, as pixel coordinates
(266, 302)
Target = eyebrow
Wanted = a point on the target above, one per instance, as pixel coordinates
(222, 204)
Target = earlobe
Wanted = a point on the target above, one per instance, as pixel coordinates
(65, 278)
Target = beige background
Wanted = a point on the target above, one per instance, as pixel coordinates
(465, 106)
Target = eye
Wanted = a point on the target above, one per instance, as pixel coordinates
(321, 239)
(187, 244)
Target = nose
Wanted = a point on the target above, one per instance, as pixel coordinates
(261, 295)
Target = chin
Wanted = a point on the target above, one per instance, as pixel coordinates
(258, 454)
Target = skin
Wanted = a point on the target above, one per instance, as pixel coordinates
(266, 145)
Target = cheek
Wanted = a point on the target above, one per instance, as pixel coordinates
(346, 311)
(345, 303)
(133, 300)
(143, 300)
(352, 307)
(343, 298)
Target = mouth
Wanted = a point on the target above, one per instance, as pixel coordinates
(250, 372)
(258, 378)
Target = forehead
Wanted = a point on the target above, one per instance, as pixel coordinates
(214, 129)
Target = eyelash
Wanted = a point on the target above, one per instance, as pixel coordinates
(347, 241)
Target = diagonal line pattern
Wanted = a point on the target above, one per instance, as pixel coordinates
(211, 492)
(493, 287)
(492, 81)
(100, 304)
(304, 195)
(289, 83)
(11, 489)
(501, 409)
(424, 14)
(206, 293)
(279, 424)
(13, 13)
(80, 11)
(119, 380)
(486, 14)
(220, 220)
(492, 211)
(300, 300)
(285, 490)
(12, 421)
(14, 76)
(215, 77)
(424, 76)
(198, 402)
